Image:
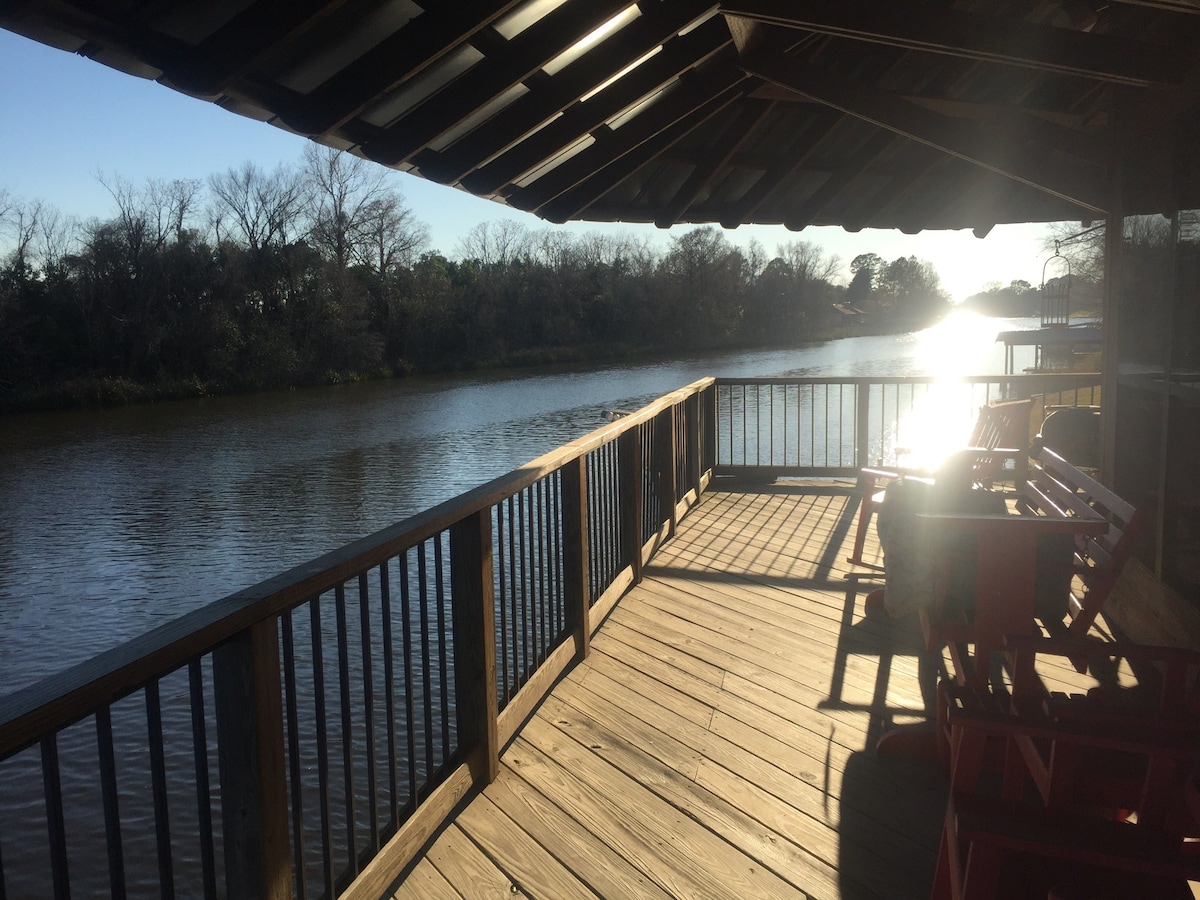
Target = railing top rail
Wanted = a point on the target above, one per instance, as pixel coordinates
(1036, 378)
(66, 697)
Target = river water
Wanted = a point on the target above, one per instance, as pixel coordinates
(114, 521)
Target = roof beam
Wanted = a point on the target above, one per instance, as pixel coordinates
(807, 214)
(242, 42)
(557, 92)
(680, 102)
(774, 176)
(978, 145)
(716, 159)
(517, 60)
(974, 36)
(393, 61)
(631, 154)
(676, 57)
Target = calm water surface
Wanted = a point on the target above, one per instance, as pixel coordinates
(112, 522)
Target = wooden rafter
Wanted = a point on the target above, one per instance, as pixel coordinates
(245, 40)
(1004, 154)
(718, 157)
(770, 180)
(633, 151)
(556, 93)
(524, 54)
(680, 101)
(914, 26)
(806, 214)
(699, 45)
(393, 61)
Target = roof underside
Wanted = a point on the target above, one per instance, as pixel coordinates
(862, 113)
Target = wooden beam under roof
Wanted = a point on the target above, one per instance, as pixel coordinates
(979, 145)
(628, 151)
(975, 36)
(524, 54)
(806, 214)
(1183, 6)
(718, 157)
(677, 57)
(394, 60)
(660, 25)
(788, 163)
(677, 103)
(245, 40)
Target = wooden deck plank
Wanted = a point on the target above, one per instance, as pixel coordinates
(608, 873)
(425, 882)
(467, 869)
(531, 866)
(703, 865)
(718, 741)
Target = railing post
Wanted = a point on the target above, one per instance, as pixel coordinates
(575, 554)
(248, 699)
(691, 413)
(666, 479)
(862, 408)
(629, 486)
(708, 430)
(473, 605)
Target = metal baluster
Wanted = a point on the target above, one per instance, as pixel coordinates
(512, 583)
(389, 693)
(368, 678)
(208, 863)
(426, 673)
(410, 713)
(343, 650)
(109, 796)
(318, 663)
(158, 777)
(52, 785)
(439, 579)
(294, 771)
(502, 595)
(526, 645)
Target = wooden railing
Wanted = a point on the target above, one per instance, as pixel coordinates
(306, 736)
(817, 427)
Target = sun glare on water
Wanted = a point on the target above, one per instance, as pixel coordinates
(940, 421)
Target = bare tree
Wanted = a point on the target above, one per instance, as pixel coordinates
(355, 216)
(263, 207)
(495, 243)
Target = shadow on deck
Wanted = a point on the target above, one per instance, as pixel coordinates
(718, 740)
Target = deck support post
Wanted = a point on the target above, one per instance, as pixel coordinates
(473, 610)
(862, 421)
(666, 475)
(691, 419)
(629, 464)
(575, 554)
(248, 699)
(708, 431)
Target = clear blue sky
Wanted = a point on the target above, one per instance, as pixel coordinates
(66, 119)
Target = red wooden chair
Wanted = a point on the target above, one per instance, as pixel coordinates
(1075, 796)
(1001, 433)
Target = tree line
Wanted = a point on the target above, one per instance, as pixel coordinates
(320, 272)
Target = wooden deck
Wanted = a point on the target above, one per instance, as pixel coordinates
(718, 742)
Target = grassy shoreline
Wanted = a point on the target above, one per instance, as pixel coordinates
(99, 392)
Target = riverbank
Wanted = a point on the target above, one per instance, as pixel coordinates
(107, 391)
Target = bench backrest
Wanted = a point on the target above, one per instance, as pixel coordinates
(1000, 425)
(1055, 487)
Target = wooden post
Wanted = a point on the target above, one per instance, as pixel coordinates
(248, 698)
(862, 400)
(708, 449)
(629, 486)
(667, 480)
(695, 466)
(473, 604)
(575, 554)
